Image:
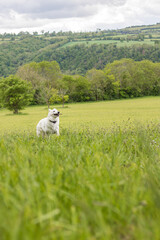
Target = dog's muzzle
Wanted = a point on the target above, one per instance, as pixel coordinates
(57, 114)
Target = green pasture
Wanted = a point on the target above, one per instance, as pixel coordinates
(99, 180)
(94, 114)
(117, 42)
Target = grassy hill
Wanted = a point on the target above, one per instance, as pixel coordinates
(16, 50)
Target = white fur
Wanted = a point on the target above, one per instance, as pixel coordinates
(46, 125)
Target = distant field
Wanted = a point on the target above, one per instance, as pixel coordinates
(118, 43)
(99, 180)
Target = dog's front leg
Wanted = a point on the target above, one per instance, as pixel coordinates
(57, 132)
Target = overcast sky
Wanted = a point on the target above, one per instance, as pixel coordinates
(75, 15)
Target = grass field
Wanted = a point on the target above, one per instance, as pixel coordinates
(100, 179)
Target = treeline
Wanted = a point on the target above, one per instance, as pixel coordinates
(124, 78)
(132, 30)
(77, 59)
(44, 83)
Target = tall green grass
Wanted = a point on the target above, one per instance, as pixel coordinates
(93, 182)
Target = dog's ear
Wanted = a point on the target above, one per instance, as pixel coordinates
(49, 110)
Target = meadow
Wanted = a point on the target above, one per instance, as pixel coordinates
(117, 42)
(100, 179)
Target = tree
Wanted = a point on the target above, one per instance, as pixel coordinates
(111, 87)
(15, 93)
(54, 96)
(81, 92)
(123, 71)
(44, 77)
(63, 97)
(51, 73)
(97, 80)
(65, 86)
(58, 97)
(27, 72)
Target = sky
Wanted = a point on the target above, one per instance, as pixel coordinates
(76, 15)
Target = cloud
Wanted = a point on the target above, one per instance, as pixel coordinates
(56, 8)
(75, 15)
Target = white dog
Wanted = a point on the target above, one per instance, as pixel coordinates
(50, 124)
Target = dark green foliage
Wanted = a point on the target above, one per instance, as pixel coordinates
(77, 59)
(15, 93)
(123, 78)
(19, 52)
(81, 91)
(135, 79)
(43, 76)
(80, 58)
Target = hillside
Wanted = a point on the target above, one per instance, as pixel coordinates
(78, 52)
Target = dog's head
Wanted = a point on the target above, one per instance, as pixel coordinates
(54, 113)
